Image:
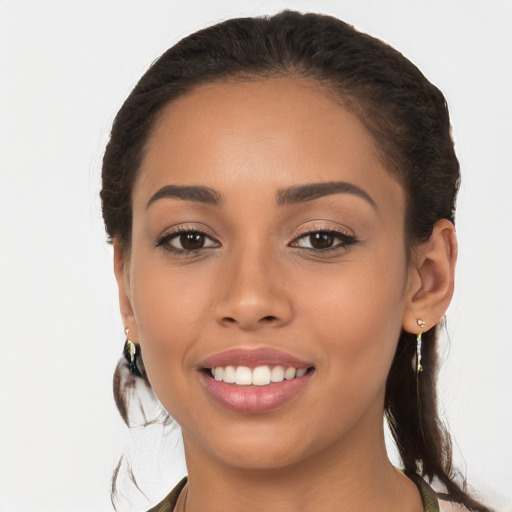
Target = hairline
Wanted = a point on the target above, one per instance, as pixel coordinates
(341, 97)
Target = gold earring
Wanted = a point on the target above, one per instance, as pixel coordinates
(130, 353)
(419, 367)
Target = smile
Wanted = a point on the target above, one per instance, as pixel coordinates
(259, 376)
(254, 381)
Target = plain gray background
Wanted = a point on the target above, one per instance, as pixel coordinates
(65, 68)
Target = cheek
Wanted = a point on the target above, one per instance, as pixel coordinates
(356, 324)
(170, 314)
(356, 314)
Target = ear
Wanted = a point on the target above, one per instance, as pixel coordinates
(431, 278)
(121, 271)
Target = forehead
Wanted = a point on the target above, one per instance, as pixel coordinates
(268, 132)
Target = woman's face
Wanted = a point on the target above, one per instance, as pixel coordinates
(243, 257)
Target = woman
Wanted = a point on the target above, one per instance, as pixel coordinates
(280, 195)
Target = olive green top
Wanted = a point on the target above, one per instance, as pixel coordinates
(428, 496)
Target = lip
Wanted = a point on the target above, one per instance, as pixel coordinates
(253, 358)
(253, 399)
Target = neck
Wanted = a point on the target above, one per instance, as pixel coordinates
(353, 474)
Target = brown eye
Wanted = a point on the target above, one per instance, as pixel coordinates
(192, 241)
(321, 240)
(186, 242)
(324, 241)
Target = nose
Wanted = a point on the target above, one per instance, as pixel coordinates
(251, 293)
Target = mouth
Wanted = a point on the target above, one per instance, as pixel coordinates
(256, 380)
(263, 375)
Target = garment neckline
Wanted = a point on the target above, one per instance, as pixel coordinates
(428, 495)
(178, 494)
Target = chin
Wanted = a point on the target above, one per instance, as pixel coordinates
(258, 458)
(260, 447)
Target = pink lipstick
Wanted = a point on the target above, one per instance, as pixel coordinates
(253, 381)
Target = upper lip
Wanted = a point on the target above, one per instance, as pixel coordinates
(253, 358)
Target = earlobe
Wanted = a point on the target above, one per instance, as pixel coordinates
(432, 278)
(123, 285)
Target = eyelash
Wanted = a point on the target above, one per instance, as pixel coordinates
(344, 241)
(164, 241)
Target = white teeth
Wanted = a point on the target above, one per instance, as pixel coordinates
(277, 374)
(289, 373)
(229, 375)
(243, 376)
(259, 376)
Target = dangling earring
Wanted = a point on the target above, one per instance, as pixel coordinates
(419, 367)
(130, 353)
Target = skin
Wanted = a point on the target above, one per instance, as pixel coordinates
(258, 282)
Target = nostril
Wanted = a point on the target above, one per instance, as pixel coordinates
(248, 319)
(265, 319)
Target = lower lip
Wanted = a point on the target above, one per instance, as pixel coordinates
(254, 399)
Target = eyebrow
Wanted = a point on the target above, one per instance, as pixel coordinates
(287, 196)
(303, 193)
(195, 193)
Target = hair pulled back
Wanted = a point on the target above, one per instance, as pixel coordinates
(408, 117)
